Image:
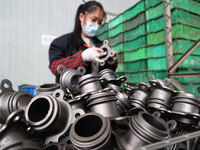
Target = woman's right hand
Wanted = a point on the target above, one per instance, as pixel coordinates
(92, 54)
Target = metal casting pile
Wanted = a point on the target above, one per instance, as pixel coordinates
(93, 112)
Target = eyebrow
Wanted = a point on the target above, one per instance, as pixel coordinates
(97, 18)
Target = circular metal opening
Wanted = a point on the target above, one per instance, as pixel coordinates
(49, 85)
(74, 80)
(154, 122)
(38, 110)
(88, 126)
(51, 147)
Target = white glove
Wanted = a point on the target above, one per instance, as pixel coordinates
(92, 54)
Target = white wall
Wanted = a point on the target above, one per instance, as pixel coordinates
(23, 58)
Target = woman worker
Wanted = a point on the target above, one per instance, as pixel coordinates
(81, 47)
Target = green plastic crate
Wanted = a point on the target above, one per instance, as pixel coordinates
(178, 31)
(178, 16)
(180, 46)
(151, 3)
(157, 10)
(137, 54)
(135, 77)
(135, 21)
(119, 74)
(134, 33)
(188, 79)
(120, 67)
(119, 47)
(160, 63)
(140, 65)
(116, 30)
(103, 29)
(134, 10)
(158, 74)
(116, 21)
(121, 57)
(103, 36)
(116, 39)
(135, 44)
(192, 88)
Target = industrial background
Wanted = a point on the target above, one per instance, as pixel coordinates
(28, 27)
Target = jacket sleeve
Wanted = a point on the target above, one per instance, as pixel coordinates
(58, 55)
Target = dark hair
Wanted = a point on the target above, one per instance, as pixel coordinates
(88, 7)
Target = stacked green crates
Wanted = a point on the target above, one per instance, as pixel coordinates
(138, 36)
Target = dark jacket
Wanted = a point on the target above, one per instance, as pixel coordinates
(61, 52)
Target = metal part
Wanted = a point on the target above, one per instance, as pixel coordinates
(91, 131)
(109, 52)
(69, 77)
(13, 135)
(123, 103)
(138, 96)
(160, 97)
(186, 108)
(89, 83)
(103, 103)
(51, 115)
(11, 100)
(54, 146)
(47, 88)
(143, 129)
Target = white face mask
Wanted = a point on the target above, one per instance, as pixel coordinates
(91, 29)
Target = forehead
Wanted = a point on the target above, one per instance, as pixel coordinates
(97, 13)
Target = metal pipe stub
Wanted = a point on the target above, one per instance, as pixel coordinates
(89, 83)
(91, 131)
(123, 103)
(47, 88)
(160, 97)
(11, 100)
(186, 108)
(103, 103)
(50, 115)
(107, 74)
(143, 129)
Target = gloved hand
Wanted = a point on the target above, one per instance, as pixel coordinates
(113, 59)
(92, 54)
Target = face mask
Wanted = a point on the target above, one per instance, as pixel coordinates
(91, 29)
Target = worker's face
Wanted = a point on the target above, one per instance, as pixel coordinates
(95, 17)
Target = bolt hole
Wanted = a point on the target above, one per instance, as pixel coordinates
(77, 115)
(69, 142)
(6, 85)
(57, 94)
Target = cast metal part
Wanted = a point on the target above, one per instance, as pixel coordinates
(47, 88)
(51, 115)
(109, 52)
(123, 103)
(11, 100)
(103, 103)
(54, 146)
(69, 77)
(13, 135)
(91, 131)
(89, 83)
(160, 97)
(186, 108)
(143, 129)
(138, 95)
